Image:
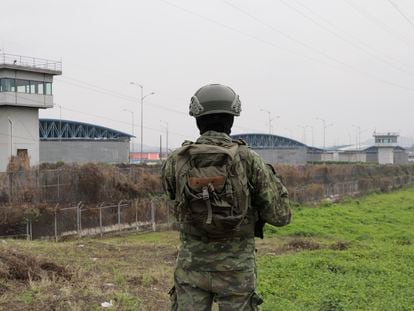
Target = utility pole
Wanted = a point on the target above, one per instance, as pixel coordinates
(275, 126)
(269, 119)
(324, 130)
(304, 132)
(166, 136)
(160, 146)
(357, 136)
(311, 127)
(142, 115)
(132, 130)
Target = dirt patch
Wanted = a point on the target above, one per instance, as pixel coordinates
(340, 246)
(298, 244)
(15, 265)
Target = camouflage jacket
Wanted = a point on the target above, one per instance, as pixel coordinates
(269, 198)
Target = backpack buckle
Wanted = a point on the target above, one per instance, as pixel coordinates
(205, 194)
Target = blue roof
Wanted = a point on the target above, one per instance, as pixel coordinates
(267, 141)
(56, 129)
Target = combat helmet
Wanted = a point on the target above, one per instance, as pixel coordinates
(215, 98)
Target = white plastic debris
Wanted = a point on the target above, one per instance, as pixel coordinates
(107, 304)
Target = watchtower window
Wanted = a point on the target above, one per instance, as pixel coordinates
(48, 88)
(38, 87)
(23, 86)
(7, 85)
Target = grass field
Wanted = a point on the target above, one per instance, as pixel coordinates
(355, 255)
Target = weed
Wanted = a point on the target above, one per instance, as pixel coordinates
(126, 302)
(120, 279)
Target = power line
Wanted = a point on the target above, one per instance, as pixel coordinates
(380, 24)
(342, 38)
(245, 34)
(389, 60)
(100, 117)
(350, 67)
(115, 94)
(118, 121)
(401, 12)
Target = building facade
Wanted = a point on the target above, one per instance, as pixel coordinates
(79, 142)
(278, 149)
(26, 85)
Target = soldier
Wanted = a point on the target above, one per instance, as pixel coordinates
(224, 194)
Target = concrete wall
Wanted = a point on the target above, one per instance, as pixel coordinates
(352, 157)
(25, 133)
(83, 151)
(25, 75)
(26, 100)
(372, 157)
(328, 156)
(293, 156)
(400, 157)
(386, 155)
(314, 156)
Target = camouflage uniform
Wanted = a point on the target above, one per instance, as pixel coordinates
(224, 271)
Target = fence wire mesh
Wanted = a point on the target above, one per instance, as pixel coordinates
(80, 220)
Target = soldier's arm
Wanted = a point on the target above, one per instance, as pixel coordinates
(269, 195)
(168, 176)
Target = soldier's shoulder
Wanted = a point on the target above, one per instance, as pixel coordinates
(169, 163)
(249, 154)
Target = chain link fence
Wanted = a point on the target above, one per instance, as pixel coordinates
(140, 215)
(74, 183)
(56, 203)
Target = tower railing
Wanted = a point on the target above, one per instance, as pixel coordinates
(32, 62)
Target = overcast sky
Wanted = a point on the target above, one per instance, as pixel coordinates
(350, 62)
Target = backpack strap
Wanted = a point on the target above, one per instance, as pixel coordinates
(242, 190)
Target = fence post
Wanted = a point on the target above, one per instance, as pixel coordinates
(167, 207)
(154, 228)
(100, 219)
(79, 219)
(30, 228)
(136, 213)
(56, 230)
(27, 229)
(58, 185)
(119, 215)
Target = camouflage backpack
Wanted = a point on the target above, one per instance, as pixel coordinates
(213, 197)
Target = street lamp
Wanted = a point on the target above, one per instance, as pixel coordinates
(312, 128)
(324, 130)
(166, 130)
(270, 119)
(358, 136)
(275, 126)
(142, 114)
(132, 129)
(304, 132)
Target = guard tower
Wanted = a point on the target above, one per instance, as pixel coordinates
(386, 144)
(25, 87)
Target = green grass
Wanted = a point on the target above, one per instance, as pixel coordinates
(375, 273)
(356, 255)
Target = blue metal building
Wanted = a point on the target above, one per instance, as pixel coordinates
(79, 142)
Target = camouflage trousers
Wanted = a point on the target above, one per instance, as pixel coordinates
(197, 290)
